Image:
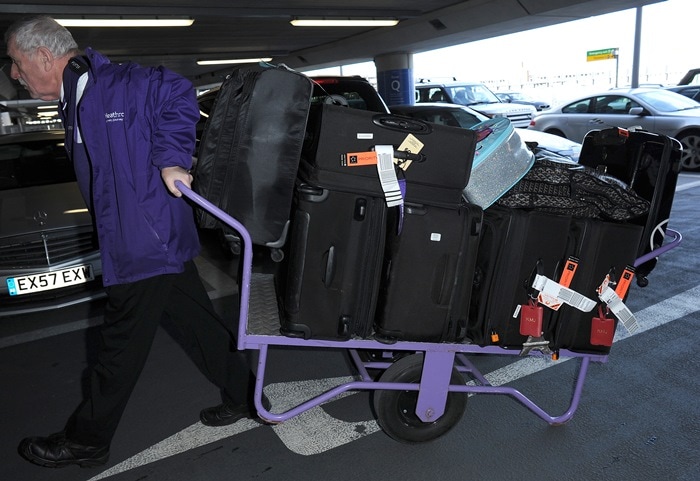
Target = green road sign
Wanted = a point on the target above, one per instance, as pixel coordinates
(604, 54)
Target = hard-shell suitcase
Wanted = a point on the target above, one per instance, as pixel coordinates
(329, 280)
(601, 249)
(515, 246)
(441, 156)
(501, 159)
(649, 164)
(250, 149)
(428, 274)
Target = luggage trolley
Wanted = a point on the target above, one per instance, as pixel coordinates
(422, 390)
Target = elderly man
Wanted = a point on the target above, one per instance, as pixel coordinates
(130, 132)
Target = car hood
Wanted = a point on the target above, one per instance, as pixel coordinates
(503, 108)
(688, 113)
(42, 208)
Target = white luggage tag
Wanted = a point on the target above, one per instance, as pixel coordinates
(552, 294)
(387, 175)
(618, 308)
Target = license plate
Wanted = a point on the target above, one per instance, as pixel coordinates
(49, 280)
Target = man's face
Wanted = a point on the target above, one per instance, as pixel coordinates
(33, 71)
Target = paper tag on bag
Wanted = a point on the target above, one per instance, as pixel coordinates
(410, 144)
(387, 175)
(618, 308)
(551, 289)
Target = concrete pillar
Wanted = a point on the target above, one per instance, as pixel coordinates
(395, 78)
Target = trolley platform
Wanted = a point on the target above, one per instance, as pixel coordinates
(421, 391)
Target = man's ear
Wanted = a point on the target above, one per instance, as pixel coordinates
(45, 58)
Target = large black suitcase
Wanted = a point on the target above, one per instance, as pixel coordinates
(602, 248)
(428, 273)
(515, 245)
(329, 281)
(648, 163)
(250, 149)
(436, 176)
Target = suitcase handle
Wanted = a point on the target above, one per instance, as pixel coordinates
(402, 124)
(329, 271)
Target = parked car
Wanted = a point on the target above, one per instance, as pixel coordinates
(521, 98)
(478, 97)
(656, 110)
(465, 117)
(48, 250)
(690, 91)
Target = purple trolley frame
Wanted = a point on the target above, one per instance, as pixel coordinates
(439, 358)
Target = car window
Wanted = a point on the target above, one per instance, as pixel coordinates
(474, 94)
(358, 94)
(612, 104)
(579, 107)
(451, 117)
(465, 119)
(33, 163)
(435, 95)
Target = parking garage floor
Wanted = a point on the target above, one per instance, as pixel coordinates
(639, 416)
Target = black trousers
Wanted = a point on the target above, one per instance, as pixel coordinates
(131, 319)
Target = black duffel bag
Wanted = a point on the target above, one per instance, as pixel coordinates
(572, 189)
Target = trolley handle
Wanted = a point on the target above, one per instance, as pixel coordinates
(247, 253)
(677, 238)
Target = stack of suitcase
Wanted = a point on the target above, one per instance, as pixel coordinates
(395, 250)
(357, 266)
(516, 243)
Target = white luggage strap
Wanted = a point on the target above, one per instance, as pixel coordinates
(607, 295)
(553, 295)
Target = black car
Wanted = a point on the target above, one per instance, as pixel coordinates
(690, 91)
(48, 249)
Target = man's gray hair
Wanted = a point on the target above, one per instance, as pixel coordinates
(41, 31)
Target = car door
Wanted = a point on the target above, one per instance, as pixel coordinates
(578, 118)
(613, 111)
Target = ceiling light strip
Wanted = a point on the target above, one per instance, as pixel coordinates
(125, 22)
(233, 60)
(343, 22)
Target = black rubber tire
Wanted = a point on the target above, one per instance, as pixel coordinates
(556, 132)
(395, 410)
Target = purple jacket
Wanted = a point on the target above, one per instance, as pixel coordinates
(134, 121)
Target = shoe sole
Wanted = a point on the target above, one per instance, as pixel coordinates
(83, 463)
(234, 419)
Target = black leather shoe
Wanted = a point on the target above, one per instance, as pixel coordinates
(56, 451)
(228, 413)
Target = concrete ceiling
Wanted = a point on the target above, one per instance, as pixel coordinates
(228, 28)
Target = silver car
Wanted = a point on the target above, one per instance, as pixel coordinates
(655, 110)
(48, 251)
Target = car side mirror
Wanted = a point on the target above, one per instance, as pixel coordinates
(636, 111)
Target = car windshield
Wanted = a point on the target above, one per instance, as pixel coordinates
(472, 94)
(33, 163)
(665, 101)
(453, 117)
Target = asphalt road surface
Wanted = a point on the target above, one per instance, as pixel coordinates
(638, 419)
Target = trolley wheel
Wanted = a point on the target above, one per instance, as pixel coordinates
(396, 410)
